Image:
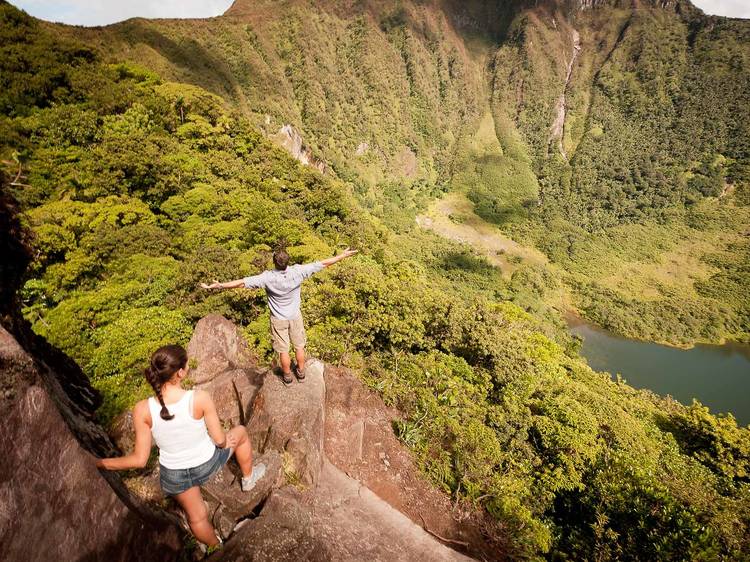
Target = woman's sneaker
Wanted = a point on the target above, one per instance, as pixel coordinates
(248, 482)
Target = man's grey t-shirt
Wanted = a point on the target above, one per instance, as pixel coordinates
(283, 288)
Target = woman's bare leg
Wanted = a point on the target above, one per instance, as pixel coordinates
(243, 451)
(192, 503)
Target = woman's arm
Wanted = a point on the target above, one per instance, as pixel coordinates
(139, 457)
(203, 405)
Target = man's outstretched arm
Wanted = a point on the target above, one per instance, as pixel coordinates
(253, 282)
(343, 255)
(236, 284)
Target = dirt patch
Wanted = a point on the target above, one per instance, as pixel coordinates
(360, 441)
(453, 217)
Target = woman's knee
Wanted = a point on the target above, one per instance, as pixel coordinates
(241, 432)
(197, 514)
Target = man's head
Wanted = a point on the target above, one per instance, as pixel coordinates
(280, 259)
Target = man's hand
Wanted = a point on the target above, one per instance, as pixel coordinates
(343, 255)
(214, 285)
(236, 284)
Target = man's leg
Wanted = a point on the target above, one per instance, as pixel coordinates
(280, 341)
(300, 355)
(286, 363)
(299, 340)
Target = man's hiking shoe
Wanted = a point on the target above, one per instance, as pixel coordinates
(248, 482)
(300, 374)
(287, 378)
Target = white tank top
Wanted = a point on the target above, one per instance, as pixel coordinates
(183, 441)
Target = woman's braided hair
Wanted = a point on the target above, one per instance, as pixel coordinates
(165, 362)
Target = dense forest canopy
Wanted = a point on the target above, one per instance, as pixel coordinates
(140, 180)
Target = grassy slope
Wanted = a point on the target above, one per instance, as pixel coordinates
(399, 81)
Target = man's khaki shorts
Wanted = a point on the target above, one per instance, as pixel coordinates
(282, 331)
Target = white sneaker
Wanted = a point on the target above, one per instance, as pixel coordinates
(248, 482)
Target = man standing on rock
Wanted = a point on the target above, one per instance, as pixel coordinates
(282, 286)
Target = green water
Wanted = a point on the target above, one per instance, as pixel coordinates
(717, 375)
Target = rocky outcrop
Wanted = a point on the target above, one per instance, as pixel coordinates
(407, 162)
(340, 519)
(359, 440)
(291, 140)
(51, 494)
(216, 347)
(557, 131)
(306, 508)
(222, 363)
(228, 504)
(291, 420)
(362, 149)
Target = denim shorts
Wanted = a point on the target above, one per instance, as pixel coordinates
(175, 481)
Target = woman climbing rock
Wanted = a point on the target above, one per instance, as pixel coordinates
(192, 444)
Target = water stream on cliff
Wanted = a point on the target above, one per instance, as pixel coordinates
(717, 375)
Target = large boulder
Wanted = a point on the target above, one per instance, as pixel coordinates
(291, 419)
(338, 520)
(52, 497)
(233, 393)
(228, 504)
(217, 346)
(359, 439)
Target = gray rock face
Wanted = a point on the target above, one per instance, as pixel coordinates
(290, 139)
(291, 420)
(228, 504)
(324, 514)
(339, 520)
(216, 347)
(54, 503)
(233, 393)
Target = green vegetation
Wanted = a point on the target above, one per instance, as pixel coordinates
(394, 101)
(651, 210)
(140, 183)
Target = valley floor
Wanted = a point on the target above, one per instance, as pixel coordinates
(625, 277)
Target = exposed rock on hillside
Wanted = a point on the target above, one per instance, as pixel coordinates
(359, 440)
(222, 364)
(289, 138)
(228, 504)
(313, 510)
(338, 520)
(292, 420)
(52, 495)
(215, 348)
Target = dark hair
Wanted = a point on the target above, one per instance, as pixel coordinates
(165, 362)
(280, 259)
